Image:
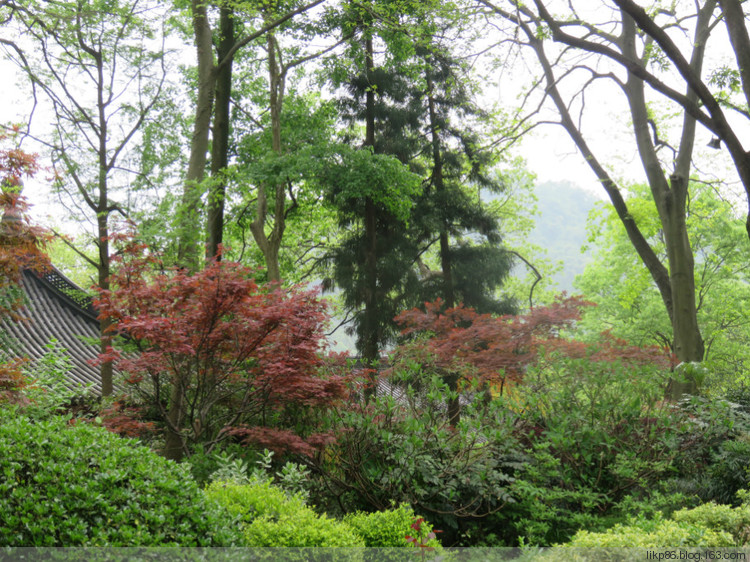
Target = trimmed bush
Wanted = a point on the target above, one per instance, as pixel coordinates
(271, 518)
(249, 501)
(303, 528)
(74, 484)
(724, 518)
(386, 528)
(659, 533)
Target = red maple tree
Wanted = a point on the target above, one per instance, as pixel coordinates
(498, 350)
(22, 246)
(216, 355)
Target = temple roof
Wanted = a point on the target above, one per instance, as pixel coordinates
(57, 308)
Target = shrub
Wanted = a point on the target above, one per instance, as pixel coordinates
(659, 533)
(249, 501)
(271, 518)
(724, 518)
(709, 524)
(74, 484)
(401, 448)
(302, 528)
(386, 528)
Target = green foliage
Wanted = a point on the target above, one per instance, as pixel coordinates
(399, 447)
(49, 393)
(719, 518)
(595, 432)
(271, 518)
(303, 528)
(715, 450)
(630, 304)
(386, 528)
(709, 524)
(361, 174)
(68, 483)
(653, 534)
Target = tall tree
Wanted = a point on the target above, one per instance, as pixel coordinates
(371, 261)
(275, 197)
(101, 67)
(473, 263)
(213, 99)
(727, 87)
(667, 179)
(630, 306)
(408, 103)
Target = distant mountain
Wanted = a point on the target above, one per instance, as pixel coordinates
(561, 227)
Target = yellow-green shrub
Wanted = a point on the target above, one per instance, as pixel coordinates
(387, 528)
(733, 520)
(271, 518)
(653, 534)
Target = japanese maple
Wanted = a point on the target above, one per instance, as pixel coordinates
(216, 355)
(22, 246)
(498, 349)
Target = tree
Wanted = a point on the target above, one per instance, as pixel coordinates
(414, 103)
(473, 263)
(668, 180)
(217, 355)
(278, 193)
(731, 83)
(213, 101)
(22, 246)
(308, 224)
(114, 55)
(630, 307)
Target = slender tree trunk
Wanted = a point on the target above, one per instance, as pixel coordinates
(188, 220)
(451, 379)
(220, 137)
(173, 441)
(270, 244)
(102, 221)
(106, 369)
(370, 349)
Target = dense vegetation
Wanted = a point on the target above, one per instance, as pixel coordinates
(339, 159)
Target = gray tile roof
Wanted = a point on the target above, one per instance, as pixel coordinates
(57, 308)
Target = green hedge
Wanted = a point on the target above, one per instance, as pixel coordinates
(708, 525)
(270, 518)
(64, 484)
(382, 529)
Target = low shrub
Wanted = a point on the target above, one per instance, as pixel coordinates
(272, 518)
(660, 533)
(302, 528)
(249, 501)
(720, 518)
(708, 525)
(74, 484)
(387, 528)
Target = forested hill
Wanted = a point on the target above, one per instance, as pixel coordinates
(561, 227)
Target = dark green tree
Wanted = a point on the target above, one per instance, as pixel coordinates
(410, 101)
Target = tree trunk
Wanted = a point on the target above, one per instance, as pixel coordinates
(271, 244)
(370, 349)
(670, 197)
(188, 218)
(220, 144)
(454, 405)
(173, 442)
(106, 369)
